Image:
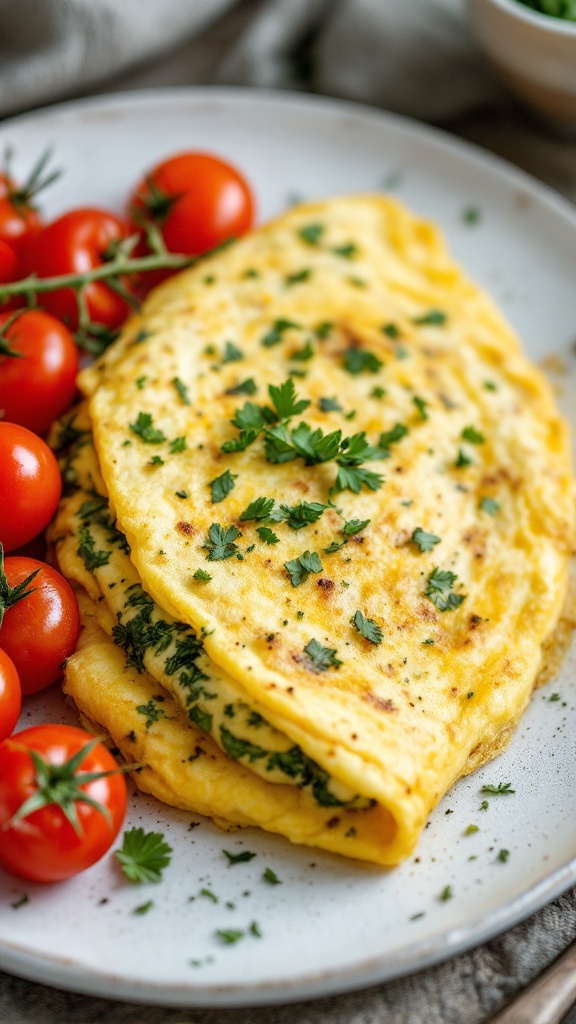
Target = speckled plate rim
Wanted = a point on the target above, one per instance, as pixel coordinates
(61, 973)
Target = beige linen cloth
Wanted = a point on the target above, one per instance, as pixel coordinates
(416, 57)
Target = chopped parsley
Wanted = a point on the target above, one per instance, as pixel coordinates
(490, 385)
(425, 541)
(490, 506)
(93, 559)
(302, 355)
(298, 276)
(140, 382)
(232, 354)
(433, 318)
(284, 445)
(285, 401)
(503, 856)
(144, 907)
(354, 526)
(143, 855)
(202, 576)
(422, 406)
(222, 486)
(322, 658)
(271, 877)
(472, 215)
(145, 429)
(439, 590)
(182, 494)
(274, 335)
(323, 330)
(388, 437)
(298, 516)
(238, 858)
(354, 480)
(367, 628)
(209, 895)
(311, 233)
(177, 445)
(182, 390)
(220, 542)
(391, 330)
(347, 251)
(246, 387)
(229, 936)
(300, 568)
(330, 405)
(267, 535)
(152, 712)
(472, 435)
(156, 460)
(377, 393)
(462, 460)
(260, 508)
(446, 893)
(360, 360)
(484, 805)
(502, 789)
(471, 829)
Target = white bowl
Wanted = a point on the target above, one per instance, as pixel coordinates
(535, 54)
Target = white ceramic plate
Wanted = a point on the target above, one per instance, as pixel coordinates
(330, 925)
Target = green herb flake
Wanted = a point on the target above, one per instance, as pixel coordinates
(367, 628)
(354, 526)
(489, 385)
(267, 535)
(209, 895)
(422, 406)
(472, 435)
(251, 272)
(254, 930)
(490, 506)
(152, 712)
(220, 542)
(330, 405)
(144, 907)
(357, 282)
(21, 902)
(182, 494)
(258, 509)
(323, 330)
(271, 877)
(300, 568)
(245, 387)
(311, 233)
(182, 390)
(156, 460)
(285, 400)
(471, 829)
(177, 446)
(391, 330)
(502, 789)
(300, 515)
(321, 657)
(222, 486)
(274, 335)
(229, 936)
(553, 698)
(202, 576)
(388, 437)
(360, 360)
(347, 251)
(298, 276)
(377, 393)
(462, 460)
(144, 428)
(232, 354)
(472, 215)
(446, 893)
(433, 318)
(503, 856)
(140, 382)
(439, 590)
(302, 355)
(238, 858)
(143, 855)
(484, 805)
(425, 541)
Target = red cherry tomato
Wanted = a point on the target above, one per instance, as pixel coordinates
(38, 384)
(78, 242)
(8, 263)
(19, 221)
(10, 696)
(30, 485)
(44, 846)
(38, 631)
(197, 200)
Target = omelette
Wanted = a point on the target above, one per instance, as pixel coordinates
(320, 514)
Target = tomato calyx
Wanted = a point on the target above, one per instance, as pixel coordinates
(5, 349)
(10, 596)
(21, 196)
(61, 784)
(157, 203)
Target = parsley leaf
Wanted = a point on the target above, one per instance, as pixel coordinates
(302, 355)
(144, 428)
(238, 858)
(439, 590)
(300, 568)
(367, 628)
(267, 535)
(391, 330)
(260, 508)
(388, 437)
(355, 479)
(222, 486)
(232, 354)
(434, 317)
(152, 711)
(502, 789)
(298, 516)
(425, 541)
(354, 526)
(472, 435)
(298, 276)
(229, 935)
(330, 405)
(490, 506)
(239, 444)
(356, 449)
(220, 542)
(271, 877)
(285, 401)
(321, 657)
(359, 360)
(143, 855)
(462, 460)
(446, 893)
(202, 575)
(182, 390)
(249, 417)
(323, 330)
(311, 233)
(274, 335)
(347, 251)
(177, 445)
(246, 387)
(421, 405)
(503, 856)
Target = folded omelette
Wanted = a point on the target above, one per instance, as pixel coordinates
(319, 513)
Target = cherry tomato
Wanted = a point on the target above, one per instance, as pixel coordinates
(10, 696)
(19, 221)
(39, 384)
(8, 263)
(30, 485)
(78, 242)
(197, 200)
(38, 631)
(44, 845)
